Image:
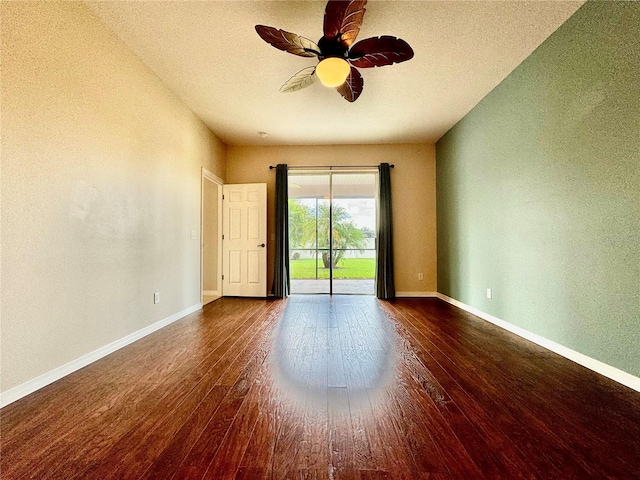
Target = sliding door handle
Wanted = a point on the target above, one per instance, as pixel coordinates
(262, 245)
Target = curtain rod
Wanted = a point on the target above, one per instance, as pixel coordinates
(330, 167)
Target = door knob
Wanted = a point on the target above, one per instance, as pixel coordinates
(262, 245)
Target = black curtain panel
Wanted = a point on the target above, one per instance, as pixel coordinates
(385, 288)
(281, 283)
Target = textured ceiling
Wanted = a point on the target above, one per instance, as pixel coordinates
(209, 54)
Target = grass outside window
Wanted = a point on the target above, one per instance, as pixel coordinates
(348, 268)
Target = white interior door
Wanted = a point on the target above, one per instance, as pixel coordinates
(244, 244)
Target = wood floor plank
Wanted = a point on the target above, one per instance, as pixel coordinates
(304, 378)
(258, 456)
(467, 421)
(341, 454)
(398, 460)
(203, 452)
(470, 373)
(321, 387)
(166, 409)
(226, 462)
(180, 401)
(164, 466)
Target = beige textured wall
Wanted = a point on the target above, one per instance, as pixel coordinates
(413, 193)
(100, 190)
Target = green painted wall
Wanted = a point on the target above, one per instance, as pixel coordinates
(538, 191)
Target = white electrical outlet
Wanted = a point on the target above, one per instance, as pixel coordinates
(193, 234)
(156, 297)
(420, 276)
(489, 293)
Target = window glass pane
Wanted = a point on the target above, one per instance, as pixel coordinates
(354, 230)
(309, 232)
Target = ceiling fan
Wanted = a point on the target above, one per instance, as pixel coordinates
(338, 58)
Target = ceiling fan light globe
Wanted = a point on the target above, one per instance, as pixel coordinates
(333, 71)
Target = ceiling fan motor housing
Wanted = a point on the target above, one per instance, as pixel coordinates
(332, 47)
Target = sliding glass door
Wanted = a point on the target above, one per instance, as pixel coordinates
(353, 216)
(332, 225)
(309, 204)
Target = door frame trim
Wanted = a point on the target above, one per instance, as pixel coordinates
(207, 176)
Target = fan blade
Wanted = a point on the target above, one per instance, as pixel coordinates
(300, 80)
(342, 20)
(380, 51)
(352, 87)
(288, 42)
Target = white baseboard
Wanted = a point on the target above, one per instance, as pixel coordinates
(45, 379)
(416, 294)
(597, 366)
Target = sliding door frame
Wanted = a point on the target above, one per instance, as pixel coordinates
(330, 171)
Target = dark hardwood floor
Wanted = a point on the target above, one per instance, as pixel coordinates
(342, 387)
